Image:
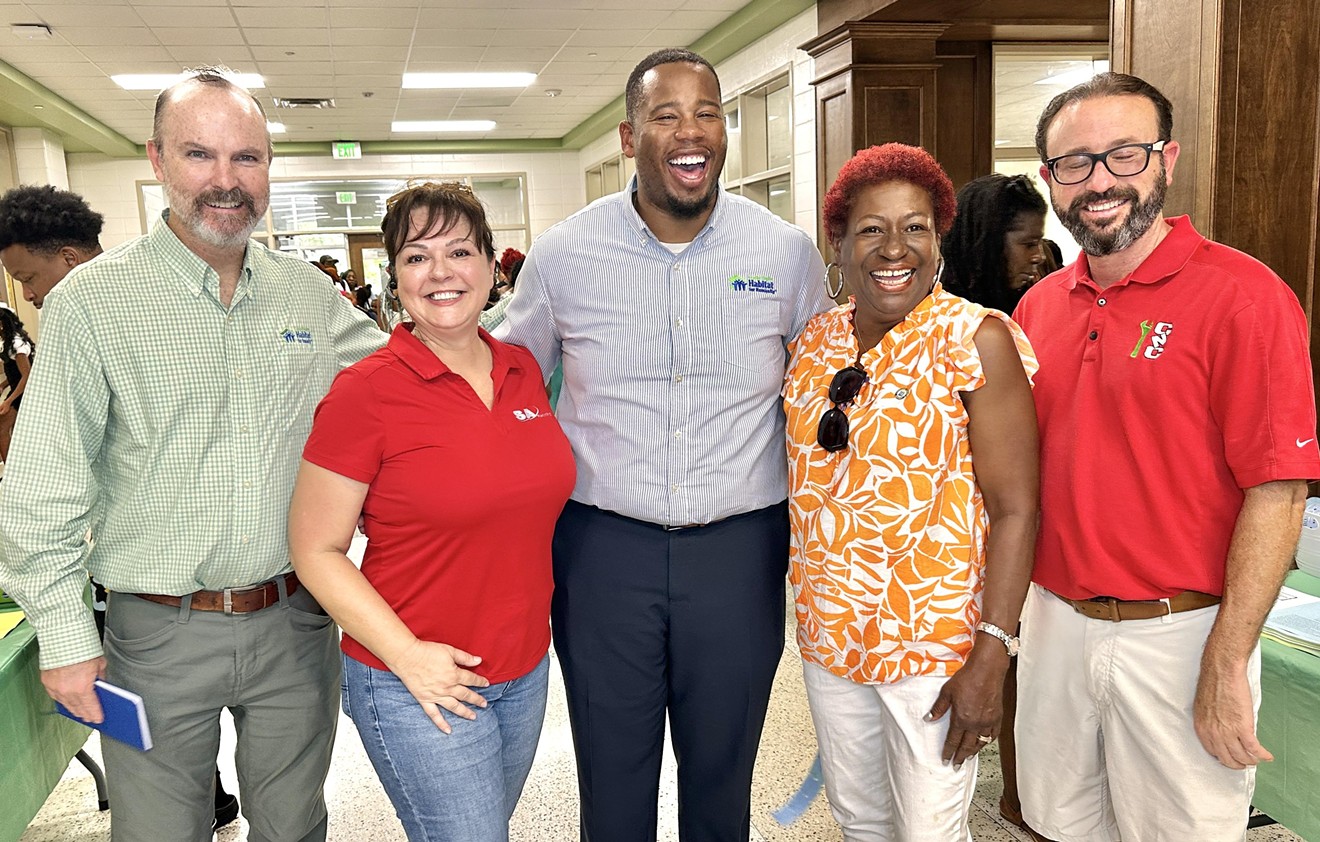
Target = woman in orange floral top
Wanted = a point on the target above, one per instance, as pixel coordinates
(913, 496)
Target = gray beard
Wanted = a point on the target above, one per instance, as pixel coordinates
(194, 221)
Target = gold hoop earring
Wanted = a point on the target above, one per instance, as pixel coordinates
(835, 293)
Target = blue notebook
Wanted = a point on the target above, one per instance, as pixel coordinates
(125, 717)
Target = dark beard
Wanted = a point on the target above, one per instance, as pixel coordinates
(680, 209)
(1140, 217)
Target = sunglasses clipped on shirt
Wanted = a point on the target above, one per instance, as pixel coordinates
(832, 432)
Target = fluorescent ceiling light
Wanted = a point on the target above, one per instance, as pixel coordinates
(161, 81)
(468, 80)
(432, 126)
(275, 128)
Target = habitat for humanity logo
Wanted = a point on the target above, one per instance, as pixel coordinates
(297, 335)
(752, 283)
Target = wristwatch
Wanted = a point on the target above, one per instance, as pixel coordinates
(1011, 643)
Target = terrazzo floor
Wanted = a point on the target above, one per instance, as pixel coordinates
(359, 809)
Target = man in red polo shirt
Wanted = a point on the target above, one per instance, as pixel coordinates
(1178, 427)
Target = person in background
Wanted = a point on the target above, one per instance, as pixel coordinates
(908, 565)
(350, 277)
(362, 301)
(45, 232)
(992, 255)
(179, 458)
(1053, 258)
(17, 348)
(446, 625)
(508, 259)
(995, 250)
(1177, 423)
(670, 558)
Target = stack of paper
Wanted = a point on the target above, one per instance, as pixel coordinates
(1295, 621)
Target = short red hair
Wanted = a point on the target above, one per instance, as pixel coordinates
(891, 162)
(510, 257)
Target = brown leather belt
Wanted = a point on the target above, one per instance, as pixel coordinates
(231, 600)
(1117, 610)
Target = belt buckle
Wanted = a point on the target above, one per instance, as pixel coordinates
(228, 595)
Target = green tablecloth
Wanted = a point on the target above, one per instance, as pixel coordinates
(1289, 788)
(35, 742)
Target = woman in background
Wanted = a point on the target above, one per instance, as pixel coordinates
(447, 624)
(995, 250)
(18, 348)
(993, 254)
(908, 567)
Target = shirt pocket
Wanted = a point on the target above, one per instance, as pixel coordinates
(753, 332)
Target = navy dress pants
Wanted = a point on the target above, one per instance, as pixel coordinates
(648, 622)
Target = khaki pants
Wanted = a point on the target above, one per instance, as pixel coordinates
(1106, 745)
(277, 670)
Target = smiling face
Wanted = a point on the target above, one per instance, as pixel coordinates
(1024, 249)
(1105, 213)
(889, 252)
(444, 279)
(678, 142)
(214, 160)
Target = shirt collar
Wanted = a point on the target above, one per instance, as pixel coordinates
(426, 365)
(916, 319)
(1168, 258)
(190, 270)
(643, 231)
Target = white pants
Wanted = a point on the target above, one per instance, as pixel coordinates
(1106, 746)
(881, 760)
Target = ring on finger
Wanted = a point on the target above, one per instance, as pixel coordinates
(985, 739)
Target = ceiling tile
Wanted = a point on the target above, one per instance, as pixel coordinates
(212, 15)
(296, 18)
(220, 36)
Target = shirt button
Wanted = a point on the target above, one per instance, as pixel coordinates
(678, 434)
(678, 378)
(678, 322)
(239, 374)
(1094, 334)
(674, 489)
(1101, 302)
(247, 483)
(678, 266)
(242, 428)
(245, 539)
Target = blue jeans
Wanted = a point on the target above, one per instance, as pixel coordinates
(461, 786)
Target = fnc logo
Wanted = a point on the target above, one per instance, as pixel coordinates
(1158, 334)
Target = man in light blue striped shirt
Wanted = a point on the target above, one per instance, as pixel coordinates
(671, 306)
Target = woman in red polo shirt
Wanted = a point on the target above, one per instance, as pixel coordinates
(446, 626)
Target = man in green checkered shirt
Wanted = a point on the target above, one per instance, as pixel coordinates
(167, 414)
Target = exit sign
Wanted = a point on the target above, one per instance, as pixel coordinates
(346, 149)
(346, 197)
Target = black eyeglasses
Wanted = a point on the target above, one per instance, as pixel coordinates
(1123, 161)
(832, 432)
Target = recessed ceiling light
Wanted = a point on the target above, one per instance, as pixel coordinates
(275, 128)
(468, 80)
(161, 81)
(553, 92)
(431, 126)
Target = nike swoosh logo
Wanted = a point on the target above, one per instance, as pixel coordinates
(1301, 443)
